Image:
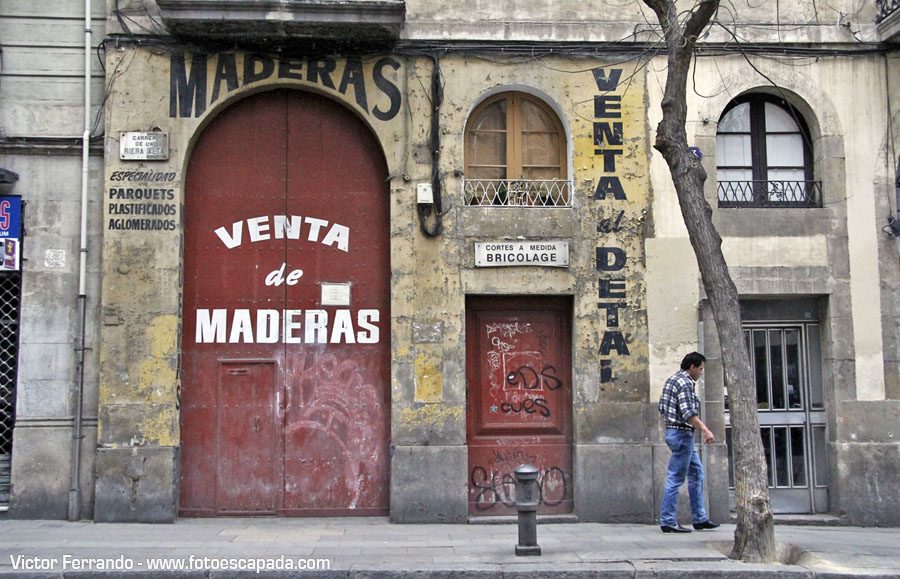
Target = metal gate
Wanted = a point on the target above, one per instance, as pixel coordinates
(285, 404)
(10, 292)
(519, 400)
(787, 369)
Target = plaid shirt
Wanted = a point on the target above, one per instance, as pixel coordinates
(678, 401)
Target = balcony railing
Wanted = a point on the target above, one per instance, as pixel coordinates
(770, 194)
(518, 192)
(886, 8)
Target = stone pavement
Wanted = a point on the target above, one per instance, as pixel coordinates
(363, 548)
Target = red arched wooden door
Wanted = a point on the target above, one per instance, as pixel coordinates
(285, 402)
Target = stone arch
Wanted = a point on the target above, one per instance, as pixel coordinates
(799, 91)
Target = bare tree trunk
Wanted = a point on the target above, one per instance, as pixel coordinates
(754, 537)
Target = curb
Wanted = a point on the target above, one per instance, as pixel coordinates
(614, 570)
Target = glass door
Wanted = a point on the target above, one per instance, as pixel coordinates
(787, 369)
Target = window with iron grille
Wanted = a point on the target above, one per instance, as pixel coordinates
(515, 154)
(763, 156)
(886, 8)
(10, 291)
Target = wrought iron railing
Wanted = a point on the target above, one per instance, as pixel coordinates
(518, 192)
(770, 194)
(886, 8)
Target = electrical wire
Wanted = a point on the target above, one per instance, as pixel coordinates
(622, 51)
(434, 210)
(113, 77)
(890, 114)
(790, 108)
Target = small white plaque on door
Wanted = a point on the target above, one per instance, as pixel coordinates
(335, 294)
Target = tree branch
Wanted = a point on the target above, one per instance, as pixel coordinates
(684, 39)
(699, 19)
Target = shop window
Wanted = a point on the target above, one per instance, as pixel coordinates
(515, 154)
(763, 156)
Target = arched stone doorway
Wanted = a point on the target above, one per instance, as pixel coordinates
(285, 402)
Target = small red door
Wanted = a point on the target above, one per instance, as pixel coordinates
(247, 416)
(519, 400)
(285, 403)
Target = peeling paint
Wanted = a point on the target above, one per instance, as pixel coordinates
(428, 376)
(160, 428)
(430, 415)
(156, 378)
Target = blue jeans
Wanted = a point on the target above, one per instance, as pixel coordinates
(684, 462)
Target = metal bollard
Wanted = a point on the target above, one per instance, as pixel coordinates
(527, 505)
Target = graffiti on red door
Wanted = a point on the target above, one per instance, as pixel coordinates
(495, 484)
(519, 398)
(519, 378)
(335, 409)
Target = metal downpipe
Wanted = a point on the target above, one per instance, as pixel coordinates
(78, 411)
(701, 346)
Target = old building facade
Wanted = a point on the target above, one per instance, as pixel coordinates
(367, 258)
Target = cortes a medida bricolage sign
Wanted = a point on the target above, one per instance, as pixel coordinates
(511, 253)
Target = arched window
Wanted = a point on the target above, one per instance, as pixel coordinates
(515, 153)
(763, 156)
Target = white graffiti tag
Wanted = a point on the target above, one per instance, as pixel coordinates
(508, 330)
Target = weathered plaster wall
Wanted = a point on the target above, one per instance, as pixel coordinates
(825, 253)
(577, 22)
(138, 456)
(609, 357)
(573, 21)
(430, 277)
(771, 254)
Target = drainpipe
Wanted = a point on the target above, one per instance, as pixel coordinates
(77, 435)
(895, 224)
(701, 346)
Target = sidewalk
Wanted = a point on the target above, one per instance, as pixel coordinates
(366, 548)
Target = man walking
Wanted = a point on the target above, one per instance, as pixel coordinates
(681, 407)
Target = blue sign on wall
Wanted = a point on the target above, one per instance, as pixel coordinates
(10, 216)
(10, 232)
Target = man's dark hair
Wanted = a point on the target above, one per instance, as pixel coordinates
(692, 359)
